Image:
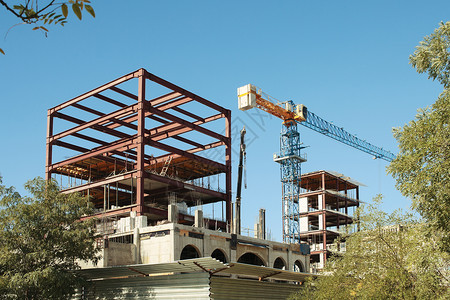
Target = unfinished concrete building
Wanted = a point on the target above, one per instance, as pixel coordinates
(326, 207)
(151, 155)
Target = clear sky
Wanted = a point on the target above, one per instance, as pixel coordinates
(347, 61)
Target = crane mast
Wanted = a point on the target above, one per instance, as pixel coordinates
(290, 158)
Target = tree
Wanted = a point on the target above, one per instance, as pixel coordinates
(46, 12)
(432, 55)
(422, 166)
(393, 257)
(41, 240)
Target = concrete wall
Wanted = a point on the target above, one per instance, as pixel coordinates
(164, 243)
(119, 254)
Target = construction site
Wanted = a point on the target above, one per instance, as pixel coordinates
(152, 156)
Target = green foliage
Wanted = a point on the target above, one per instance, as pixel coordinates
(432, 55)
(46, 12)
(41, 240)
(392, 257)
(422, 167)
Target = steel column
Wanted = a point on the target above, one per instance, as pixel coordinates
(229, 207)
(49, 150)
(140, 144)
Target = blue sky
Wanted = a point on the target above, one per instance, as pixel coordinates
(347, 61)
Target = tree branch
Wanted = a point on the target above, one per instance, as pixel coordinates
(10, 9)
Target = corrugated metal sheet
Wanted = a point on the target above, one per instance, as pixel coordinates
(194, 265)
(227, 288)
(264, 272)
(187, 265)
(182, 286)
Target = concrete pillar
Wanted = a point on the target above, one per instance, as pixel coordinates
(322, 260)
(233, 257)
(198, 219)
(289, 265)
(262, 224)
(172, 214)
(303, 205)
(137, 244)
(304, 224)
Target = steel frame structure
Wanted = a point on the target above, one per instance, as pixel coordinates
(121, 167)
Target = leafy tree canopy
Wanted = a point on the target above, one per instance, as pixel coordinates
(41, 240)
(422, 167)
(432, 55)
(392, 257)
(43, 13)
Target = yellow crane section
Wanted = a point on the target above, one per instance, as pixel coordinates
(251, 96)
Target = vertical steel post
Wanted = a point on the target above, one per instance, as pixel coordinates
(48, 159)
(228, 167)
(140, 144)
(324, 221)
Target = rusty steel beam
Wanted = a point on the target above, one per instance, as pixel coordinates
(99, 113)
(185, 154)
(130, 109)
(158, 119)
(164, 98)
(85, 150)
(88, 109)
(70, 146)
(94, 91)
(125, 93)
(123, 123)
(148, 114)
(189, 114)
(98, 183)
(109, 100)
(111, 213)
(146, 210)
(180, 184)
(175, 103)
(187, 141)
(187, 124)
(103, 143)
(176, 88)
(173, 128)
(120, 145)
(164, 157)
(100, 128)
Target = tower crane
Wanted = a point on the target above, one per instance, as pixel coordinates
(290, 158)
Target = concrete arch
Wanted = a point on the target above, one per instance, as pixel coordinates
(219, 254)
(251, 258)
(298, 266)
(189, 251)
(279, 263)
